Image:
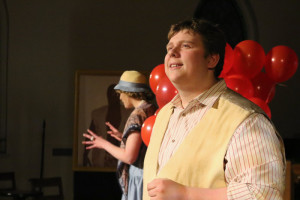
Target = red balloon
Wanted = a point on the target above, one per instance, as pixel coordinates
(222, 74)
(262, 104)
(240, 84)
(228, 60)
(281, 63)
(249, 58)
(165, 92)
(231, 72)
(264, 87)
(146, 129)
(157, 73)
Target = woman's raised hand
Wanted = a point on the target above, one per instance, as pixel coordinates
(94, 141)
(114, 132)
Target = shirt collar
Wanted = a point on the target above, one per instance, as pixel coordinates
(206, 98)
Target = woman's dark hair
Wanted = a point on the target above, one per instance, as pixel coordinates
(147, 96)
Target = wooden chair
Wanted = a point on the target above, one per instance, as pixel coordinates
(292, 178)
(296, 179)
(288, 193)
(51, 188)
(8, 182)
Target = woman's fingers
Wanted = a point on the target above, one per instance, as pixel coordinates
(87, 142)
(116, 137)
(90, 144)
(110, 132)
(90, 147)
(90, 137)
(111, 127)
(91, 132)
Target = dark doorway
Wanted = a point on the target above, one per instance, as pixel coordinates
(227, 15)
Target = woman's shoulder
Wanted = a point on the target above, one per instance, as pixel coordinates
(148, 108)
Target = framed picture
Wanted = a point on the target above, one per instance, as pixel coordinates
(96, 102)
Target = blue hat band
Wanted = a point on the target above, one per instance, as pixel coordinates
(132, 87)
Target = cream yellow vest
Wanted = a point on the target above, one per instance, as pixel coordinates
(199, 160)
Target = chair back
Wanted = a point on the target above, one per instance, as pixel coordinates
(7, 181)
(50, 188)
(288, 181)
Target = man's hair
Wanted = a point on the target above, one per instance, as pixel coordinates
(213, 38)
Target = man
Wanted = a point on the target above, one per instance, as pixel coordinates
(209, 142)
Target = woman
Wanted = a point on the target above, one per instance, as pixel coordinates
(134, 93)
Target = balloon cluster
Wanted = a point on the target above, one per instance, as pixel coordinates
(247, 70)
(254, 74)
(164, 92)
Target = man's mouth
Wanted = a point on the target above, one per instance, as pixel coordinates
(177, 65)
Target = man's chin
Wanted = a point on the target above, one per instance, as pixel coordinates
(175, 79)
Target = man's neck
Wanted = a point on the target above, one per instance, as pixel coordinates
(188, 94)
(186, 97)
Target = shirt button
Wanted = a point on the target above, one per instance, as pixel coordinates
(173, 140)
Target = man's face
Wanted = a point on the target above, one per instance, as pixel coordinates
(185, 62)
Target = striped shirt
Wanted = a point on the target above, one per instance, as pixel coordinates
(254, 161)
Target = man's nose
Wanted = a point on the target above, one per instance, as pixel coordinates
(174, 52)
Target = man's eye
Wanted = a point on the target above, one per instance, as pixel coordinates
(186, 45)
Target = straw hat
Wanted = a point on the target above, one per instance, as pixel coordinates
(132, 81)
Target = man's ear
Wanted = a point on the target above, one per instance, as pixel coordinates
(213, 61)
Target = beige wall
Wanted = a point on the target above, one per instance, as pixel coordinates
(49, 40)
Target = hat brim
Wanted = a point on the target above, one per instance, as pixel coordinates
(132, 87)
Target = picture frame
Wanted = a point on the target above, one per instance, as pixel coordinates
(94, 99)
